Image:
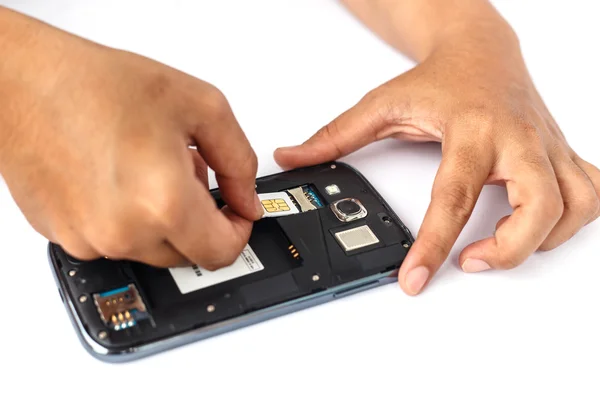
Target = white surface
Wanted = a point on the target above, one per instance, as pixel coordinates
(288, 67)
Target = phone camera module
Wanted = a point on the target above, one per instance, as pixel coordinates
(348, 207)
(347, 210)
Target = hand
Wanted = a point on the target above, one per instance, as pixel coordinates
(100, 155)
(480, 103)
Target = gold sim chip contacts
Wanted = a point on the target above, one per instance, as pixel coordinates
(277, 204)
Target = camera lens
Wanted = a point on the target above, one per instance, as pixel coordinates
(348, 207)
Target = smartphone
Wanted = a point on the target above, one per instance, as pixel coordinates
(327, 233)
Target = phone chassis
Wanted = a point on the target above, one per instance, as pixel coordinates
(98, 343)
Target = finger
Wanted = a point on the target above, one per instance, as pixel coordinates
(460, 178)
(160, 255)
(200, 167)
(535, 197)
(225, 148)
(182, 213)
(593, 174)
(501, 221)
(579, 198)
(206, 235)
(76, 246)
(349, 132)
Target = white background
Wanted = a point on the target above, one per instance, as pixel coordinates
(288, 67)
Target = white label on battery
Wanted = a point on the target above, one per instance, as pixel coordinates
(189, 279)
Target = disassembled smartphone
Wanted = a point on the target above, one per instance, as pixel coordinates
(326, 233)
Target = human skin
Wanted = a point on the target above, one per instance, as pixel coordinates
(112, 175)
(470, 91)
(106, 152)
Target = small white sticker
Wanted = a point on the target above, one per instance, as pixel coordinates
(189, 279)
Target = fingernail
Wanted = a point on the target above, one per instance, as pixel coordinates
(416, 278)
(286, 148)
(474, 265)
(259, 208)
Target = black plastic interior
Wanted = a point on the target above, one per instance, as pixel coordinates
(283, 278)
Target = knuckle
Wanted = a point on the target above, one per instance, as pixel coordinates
(76, 250)
(551, 204)
(70, 243)
(535, 160)
(467, 159)
(457, 200)
(329, 134)
(250, 162)
(164, 210)
(510, 254)
(525, 127)
(218, 258)
(437, 247)
(509, 260)
(371, 96)
(592, 204)
(388, 108)
(216, 101)
(587, 205)
(329, 131)
(112, 241)
(217, 254)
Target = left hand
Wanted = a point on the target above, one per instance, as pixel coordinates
(481, 104)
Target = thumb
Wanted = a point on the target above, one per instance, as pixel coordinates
(352, 130)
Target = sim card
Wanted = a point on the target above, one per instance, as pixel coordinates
(277, 204)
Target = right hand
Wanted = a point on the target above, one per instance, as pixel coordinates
(94, 150)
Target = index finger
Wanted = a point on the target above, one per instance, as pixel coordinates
(352, 130)
(227, 151)
(207, 236)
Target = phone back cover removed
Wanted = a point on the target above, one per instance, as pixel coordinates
(301, 248)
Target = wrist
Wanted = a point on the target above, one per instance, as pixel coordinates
(31, 54)
(489, 47)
